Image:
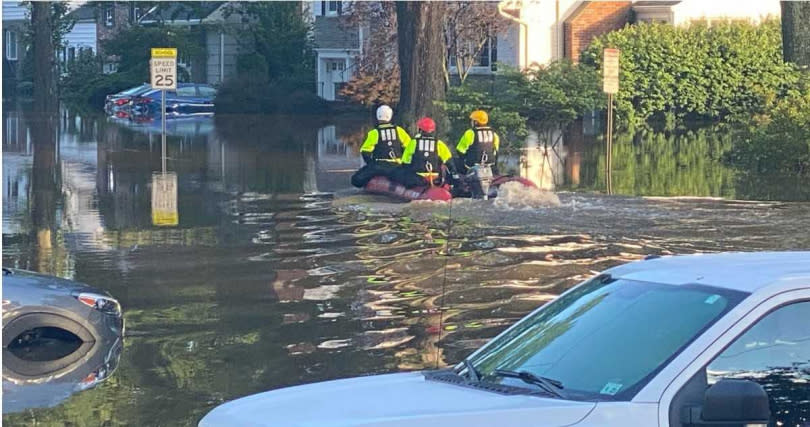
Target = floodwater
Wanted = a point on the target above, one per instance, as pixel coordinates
(277, 273)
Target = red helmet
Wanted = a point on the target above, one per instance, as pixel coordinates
(426, 124)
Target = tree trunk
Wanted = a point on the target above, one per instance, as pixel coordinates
(44, 186)
(421, 59)
(44, 57)
(796, 32)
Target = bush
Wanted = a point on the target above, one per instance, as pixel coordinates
(85, 85)
(474, 95)
(779, 140)
(545, 99)
(237, 96)
(700, 72)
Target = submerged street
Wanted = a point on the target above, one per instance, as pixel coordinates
(279, 273)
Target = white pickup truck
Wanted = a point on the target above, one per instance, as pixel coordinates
(720, 339)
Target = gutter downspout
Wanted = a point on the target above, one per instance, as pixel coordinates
(560, 36)
(525, 28)
(221, 56)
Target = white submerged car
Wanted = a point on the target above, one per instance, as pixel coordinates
(721, 339)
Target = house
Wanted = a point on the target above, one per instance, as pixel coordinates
(82, 37)
(94, 23)
(215, 25)
(336, 47)
(544, 31)
(15, 21)
(687, 11)
(540, 31)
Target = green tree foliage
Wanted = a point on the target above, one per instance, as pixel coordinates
(82, 74)
(477, 95)
(554, 96)
(700, 72)
(544, 99)
(276, 66)
(779, 140)
(133, 48)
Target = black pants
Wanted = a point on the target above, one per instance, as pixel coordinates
(386, 169)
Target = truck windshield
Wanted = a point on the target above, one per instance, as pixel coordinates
(606, 339)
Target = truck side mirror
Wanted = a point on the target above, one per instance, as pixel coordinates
(740, 402)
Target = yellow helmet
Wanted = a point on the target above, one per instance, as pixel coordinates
(480, 117)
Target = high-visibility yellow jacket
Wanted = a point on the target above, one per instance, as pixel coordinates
(385, 143)
(479, 145)
(426, 155)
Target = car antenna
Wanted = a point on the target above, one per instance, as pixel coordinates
(444, 279)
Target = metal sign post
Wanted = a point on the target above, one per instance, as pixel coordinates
(163, 70)
(610, 85)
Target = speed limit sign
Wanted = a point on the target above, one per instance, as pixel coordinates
(163, 67)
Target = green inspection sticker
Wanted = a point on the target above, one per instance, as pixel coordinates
(712, 299)
(611, 389)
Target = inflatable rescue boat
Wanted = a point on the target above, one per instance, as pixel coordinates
(384, 186)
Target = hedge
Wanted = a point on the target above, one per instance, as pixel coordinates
(699, 72)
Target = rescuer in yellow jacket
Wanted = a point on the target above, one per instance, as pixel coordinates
(478, 145)
(426, 157)
(382, 150)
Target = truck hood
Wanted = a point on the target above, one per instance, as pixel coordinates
(405, 399)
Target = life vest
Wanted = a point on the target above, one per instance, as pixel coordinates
(426, 156)
(388, 147)
(482, 150)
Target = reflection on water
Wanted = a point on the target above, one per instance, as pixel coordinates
(266, 282)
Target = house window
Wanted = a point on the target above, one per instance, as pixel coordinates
(11, 45)
(332, 7)
(487, 57)
(109, 17)
(489, 53)
(337, 65)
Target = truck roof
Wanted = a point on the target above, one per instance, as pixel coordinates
(742, 271)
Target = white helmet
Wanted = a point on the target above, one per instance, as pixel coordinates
(384, 113)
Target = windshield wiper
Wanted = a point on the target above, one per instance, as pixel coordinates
(474, 375)
(549, 385)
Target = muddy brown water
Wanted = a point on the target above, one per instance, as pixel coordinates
(278, 274)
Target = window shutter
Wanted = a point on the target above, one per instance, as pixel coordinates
(340, 8)
(323, 8)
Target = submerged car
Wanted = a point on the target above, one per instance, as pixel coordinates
(671, 341)
(36, 306)
(115, 105)
(187, 99)
(48, 377)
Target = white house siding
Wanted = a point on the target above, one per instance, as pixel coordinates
(753, 10)
(545, 25)
(13, 11)
(217, 63)
(83, 35)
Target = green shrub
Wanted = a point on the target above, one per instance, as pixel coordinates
(462, 100)
(84, 85)
(545, 99)
(237, 96)
(700, 72)
(777, 141)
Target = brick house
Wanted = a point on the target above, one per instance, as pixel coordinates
(590, 20)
